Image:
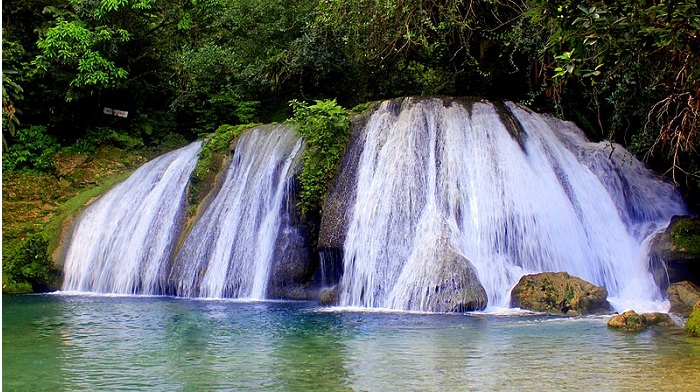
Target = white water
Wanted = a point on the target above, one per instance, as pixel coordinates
(123, 241)
(230, 249)
(433, 174)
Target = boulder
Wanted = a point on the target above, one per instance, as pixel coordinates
(675, 253)
(683, 296)
(692, 326)
(631, 321)
(329, 296)
(559, 293)
(438, 278)
(454, 286)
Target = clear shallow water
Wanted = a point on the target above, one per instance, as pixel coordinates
(57, 342)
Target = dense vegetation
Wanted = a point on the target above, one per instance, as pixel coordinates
(628, 71)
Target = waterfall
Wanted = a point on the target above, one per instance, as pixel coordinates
(512, 191)
(122, 242)
(246, 239)
(229, 252)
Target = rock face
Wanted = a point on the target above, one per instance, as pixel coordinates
(683, 296)
(631, 321)
(341, 197)
(675, 253)
(293, 267)
(559, 293)
(692, 326)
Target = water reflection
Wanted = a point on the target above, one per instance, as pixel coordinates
(101, 343)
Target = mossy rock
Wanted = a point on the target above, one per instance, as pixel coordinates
(559, 293)
(686, 235)
(692, 326)
(683, 296)
(675, 253)
(631, 321)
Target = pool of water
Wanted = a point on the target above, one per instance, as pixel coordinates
(60, 342)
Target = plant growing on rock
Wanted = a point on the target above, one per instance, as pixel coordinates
(325, 127)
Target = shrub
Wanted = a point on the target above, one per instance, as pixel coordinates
(325, 127)
(29, 268)
(33, 149)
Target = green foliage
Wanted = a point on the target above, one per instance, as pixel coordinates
(29, 268)
(33, 149)
(692, 326)
(11, 92)
(106, 135)
(73, 44)
(325, 127)
(637, 65)
(686, 235)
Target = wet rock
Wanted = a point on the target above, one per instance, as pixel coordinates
(631, 321)
(438, 278)
(675, 253)
(329, 296)
(692, 326)
(293, 266)
(455, 286)
(341, 197)
(559, 293)
(683, 296)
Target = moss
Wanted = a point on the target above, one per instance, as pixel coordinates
(686, 235)
(363, 107)
(210, 161)
(692, 326)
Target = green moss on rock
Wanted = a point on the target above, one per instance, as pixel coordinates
(631, 321)
(559, 293)
(686, 235)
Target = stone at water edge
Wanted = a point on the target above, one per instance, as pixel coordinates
(675, 252)
(632, 321)
(692, 326)
(329, 296)
(683, 296)
(559, 293)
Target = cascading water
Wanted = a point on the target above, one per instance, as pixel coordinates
(124, 240)
(437, 175)
(230, 249)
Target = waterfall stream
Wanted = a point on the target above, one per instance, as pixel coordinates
(511, 199)
(448, 196)
(123, 241)
(230, 249)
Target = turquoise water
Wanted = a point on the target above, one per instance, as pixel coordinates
(54, 342)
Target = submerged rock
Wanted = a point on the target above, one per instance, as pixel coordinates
(632, 321)
(329, 296)
(683, 296)
(692, 326)
(675, 253)
(559, 293)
